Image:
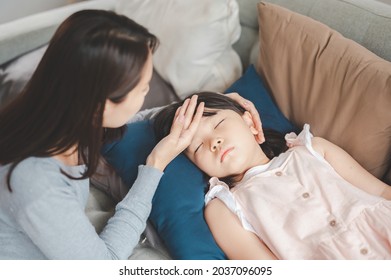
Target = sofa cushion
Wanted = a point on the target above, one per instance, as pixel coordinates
(196, 40)
(319, 77)
(366, 22)
(15, 74)
(178, 204)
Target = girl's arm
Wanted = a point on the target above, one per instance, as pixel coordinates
(350, 169)
(236, 242)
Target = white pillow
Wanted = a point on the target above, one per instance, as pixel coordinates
(196, 38)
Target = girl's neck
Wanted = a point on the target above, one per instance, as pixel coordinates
(260, 158)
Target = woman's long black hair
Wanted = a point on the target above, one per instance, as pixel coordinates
(274, 141)
(93, 56)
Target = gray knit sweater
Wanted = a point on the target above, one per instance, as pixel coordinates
(43, 217)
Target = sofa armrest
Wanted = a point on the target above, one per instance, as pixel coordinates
(22, 35)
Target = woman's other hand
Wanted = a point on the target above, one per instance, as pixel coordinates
(249, 106)
(183, 128)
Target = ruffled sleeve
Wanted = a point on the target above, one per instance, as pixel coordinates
(303, 139)
(220, 190)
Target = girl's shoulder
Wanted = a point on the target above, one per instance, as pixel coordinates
(306, 139)
(219, 195)
(318, 144)
(219, 189)
(302, 139)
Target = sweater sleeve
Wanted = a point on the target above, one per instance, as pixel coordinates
(56, 223)
(123, 230)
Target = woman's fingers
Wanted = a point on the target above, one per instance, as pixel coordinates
(177, 112)
(184, 116)
(185, 123)
(250, 107)
(191, 107)
(175, 119)
(196, 120)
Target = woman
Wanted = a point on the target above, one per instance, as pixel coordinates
(91, 80)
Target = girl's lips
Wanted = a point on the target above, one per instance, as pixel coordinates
(225, 153)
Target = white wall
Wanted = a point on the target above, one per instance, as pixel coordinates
(13, 9)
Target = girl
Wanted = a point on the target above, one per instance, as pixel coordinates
(309, 201)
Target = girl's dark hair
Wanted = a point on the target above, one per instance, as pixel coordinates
(94, 55)
(274, 141)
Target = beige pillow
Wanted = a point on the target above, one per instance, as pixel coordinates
(319, 77)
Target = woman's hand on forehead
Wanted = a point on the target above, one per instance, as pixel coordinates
(186, 121)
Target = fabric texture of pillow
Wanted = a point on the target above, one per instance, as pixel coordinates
(251, 87)
(366, 22)
(15, 74)
(196, 40)
(178, 204)
(319, 77)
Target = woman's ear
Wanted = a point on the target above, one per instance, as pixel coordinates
(108, 107)
(248, 119)
(107, 111)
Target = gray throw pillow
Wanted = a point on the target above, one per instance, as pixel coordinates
(15, 74)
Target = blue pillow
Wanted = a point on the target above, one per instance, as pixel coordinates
(177, 211)
(251, 87)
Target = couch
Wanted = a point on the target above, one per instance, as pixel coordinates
(291, 75)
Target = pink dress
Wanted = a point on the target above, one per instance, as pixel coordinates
(302, 209)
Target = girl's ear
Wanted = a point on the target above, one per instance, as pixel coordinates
(248, 119)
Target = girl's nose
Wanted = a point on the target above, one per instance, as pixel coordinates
(216, 143)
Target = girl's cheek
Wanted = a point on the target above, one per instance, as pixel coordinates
(199, 162)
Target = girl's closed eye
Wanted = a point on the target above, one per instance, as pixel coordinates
(198, 147)
(219, 123)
